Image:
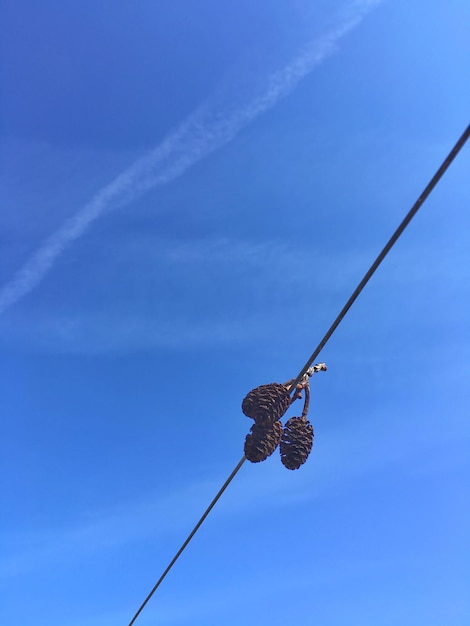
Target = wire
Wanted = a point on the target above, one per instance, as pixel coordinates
(190, 536)
(388, 246)
(368, 275)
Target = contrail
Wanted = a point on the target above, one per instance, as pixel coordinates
(201, 134)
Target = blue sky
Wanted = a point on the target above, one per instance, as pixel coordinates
(189, 194)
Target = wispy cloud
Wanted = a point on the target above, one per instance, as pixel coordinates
(201, 134)
(250, 275)
(270, 277)
(265, 487)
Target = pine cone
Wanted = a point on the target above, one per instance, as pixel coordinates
(296, 442)
(262, 440)
(267, 403)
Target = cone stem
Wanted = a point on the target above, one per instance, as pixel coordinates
(307, 400)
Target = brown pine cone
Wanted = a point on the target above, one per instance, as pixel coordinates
(262, 440)
(267, 403)
(296, 442)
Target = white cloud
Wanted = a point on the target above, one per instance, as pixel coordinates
(288, 281)
(274, 276)
(203, 133)
(346, 453)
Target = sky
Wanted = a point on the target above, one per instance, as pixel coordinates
(189, 193)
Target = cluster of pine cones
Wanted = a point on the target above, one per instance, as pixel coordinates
(266, 405)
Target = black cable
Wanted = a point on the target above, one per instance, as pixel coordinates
(190, 536)
(388, 246)
(393, 239)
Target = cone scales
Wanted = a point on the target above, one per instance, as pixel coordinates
(296, 442)
(267, 403)
(262, 440)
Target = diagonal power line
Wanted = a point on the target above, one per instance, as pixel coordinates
(367, 276)
(386, 249)
(190, 536)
